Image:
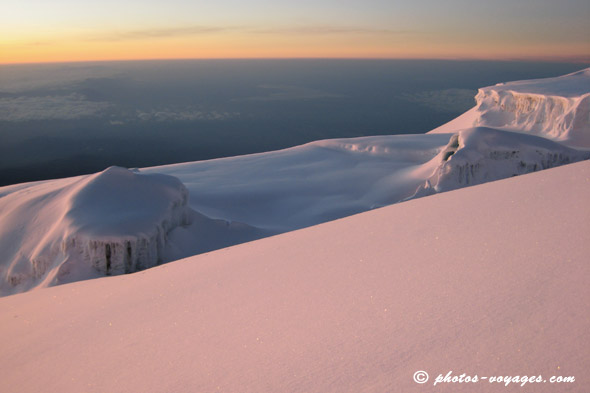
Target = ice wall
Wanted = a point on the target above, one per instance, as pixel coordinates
(559, 118)
(479, 155)
(554, 108)
(120, 219)
(114, 222)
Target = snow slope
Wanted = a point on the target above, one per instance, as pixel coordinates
(120, 221)
(487, 280)
(556, 108)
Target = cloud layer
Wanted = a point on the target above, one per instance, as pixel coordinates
(198, 30)
(183, 115)
(56, 107)
(444, 101)
(287, 92)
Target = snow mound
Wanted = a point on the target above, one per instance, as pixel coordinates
(556, 108)
(112, 222)
(480, 154)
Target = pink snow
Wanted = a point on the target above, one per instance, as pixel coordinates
(491, 280)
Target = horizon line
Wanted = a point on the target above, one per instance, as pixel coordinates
(555, 59)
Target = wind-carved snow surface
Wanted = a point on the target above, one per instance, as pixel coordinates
(120, 221)
(555, 108)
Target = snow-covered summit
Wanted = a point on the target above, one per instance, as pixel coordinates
(556, 108)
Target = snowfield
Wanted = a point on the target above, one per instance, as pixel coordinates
(490, 280)
(121, 221)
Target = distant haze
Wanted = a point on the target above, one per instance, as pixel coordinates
(66, 119)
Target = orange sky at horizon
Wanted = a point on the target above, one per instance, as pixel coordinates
(68, 30)
(71, 49)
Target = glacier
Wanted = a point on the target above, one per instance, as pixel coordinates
(120, 221)
(555, 108)
(113, 222)
(482, 154)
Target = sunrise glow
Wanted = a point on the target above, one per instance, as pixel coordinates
(65, 30)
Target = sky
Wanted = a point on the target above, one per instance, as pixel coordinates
(83, 30)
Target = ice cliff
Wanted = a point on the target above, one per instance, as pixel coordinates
(118, 220)
(112, 222)
(555, 108)
(481, 154)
